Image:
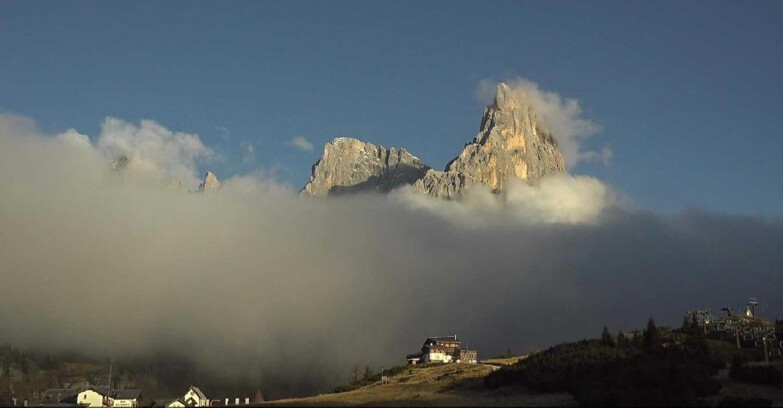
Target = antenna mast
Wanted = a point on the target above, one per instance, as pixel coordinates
(752, 302)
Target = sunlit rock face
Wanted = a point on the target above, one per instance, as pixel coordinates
(443, 184)
(512, 143)
(350, 165)
(210, 183)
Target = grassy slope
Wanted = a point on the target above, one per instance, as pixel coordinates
(505, 361)
(736, 388)
(456, 384)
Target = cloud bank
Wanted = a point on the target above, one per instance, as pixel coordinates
(557, 199)
(174, 155)
(292, 291)
(563, 115)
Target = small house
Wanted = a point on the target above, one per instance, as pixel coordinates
(92, 397)
(194, 397)
(126, 398)
(444, 349)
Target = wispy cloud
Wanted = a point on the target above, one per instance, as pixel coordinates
(249, 153)
(604, 156)
(224, 133)
(301, 143)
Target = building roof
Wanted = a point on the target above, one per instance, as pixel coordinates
(444, 341)
(197, 391)
(163, 402)
(99, 390)
(126, 394)
(179, 400)
(414, 355)
(54, 395)
(443, 338)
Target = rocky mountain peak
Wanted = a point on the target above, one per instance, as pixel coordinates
(210, 183)
(351, 165)
(505, 100)
(512, 143)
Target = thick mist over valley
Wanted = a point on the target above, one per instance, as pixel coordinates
(259, 282)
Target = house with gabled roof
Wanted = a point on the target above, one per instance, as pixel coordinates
(92, 397)
(442, 349)
(194, 397)
(126, 398)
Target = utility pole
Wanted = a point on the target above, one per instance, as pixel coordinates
(108, 388)
(111, 365)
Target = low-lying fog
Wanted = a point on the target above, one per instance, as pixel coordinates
(256, 280)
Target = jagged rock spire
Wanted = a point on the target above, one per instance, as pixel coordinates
(211, 183)
(512, 143)
(505, 100)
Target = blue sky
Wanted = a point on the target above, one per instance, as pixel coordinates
(688, 94)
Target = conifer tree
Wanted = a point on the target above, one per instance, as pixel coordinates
(651, 337)
(622, 341)
(258, 397)
(606, 338)
(367, 372)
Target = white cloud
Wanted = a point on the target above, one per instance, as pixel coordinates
(12, 124)
(563, 116)
(560, 199)
(173, 154)
(301, 143)
(604, 156)
(75, 138)
(557, 199)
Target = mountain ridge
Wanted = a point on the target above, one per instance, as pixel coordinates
(512, 143)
